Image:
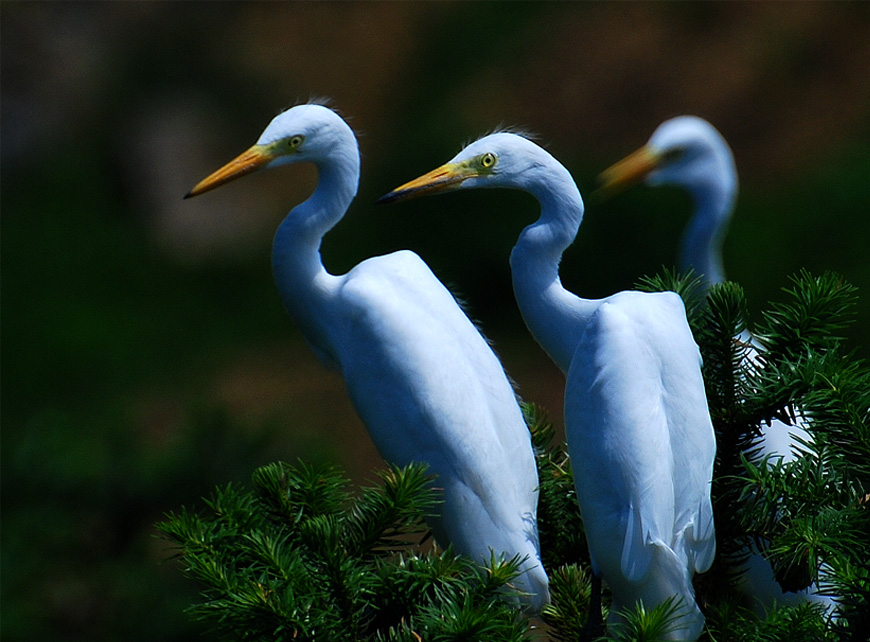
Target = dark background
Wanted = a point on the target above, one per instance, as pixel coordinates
(145, 353)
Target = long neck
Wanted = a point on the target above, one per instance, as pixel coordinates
(554, 316)
(701, 246)
(303, 283)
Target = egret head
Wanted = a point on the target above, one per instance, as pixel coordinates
(503, 159)
(686, 151)
(304, 133)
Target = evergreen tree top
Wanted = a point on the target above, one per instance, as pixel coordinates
(299, 556)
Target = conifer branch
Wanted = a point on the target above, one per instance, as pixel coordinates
(301, 557)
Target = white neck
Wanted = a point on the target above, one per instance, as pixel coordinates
(554, 316)
(302, 281)
(701, 246)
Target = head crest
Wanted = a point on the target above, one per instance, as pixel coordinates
(505, 129)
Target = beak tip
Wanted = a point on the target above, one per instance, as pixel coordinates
(255, 158)
(607, 190)
(386, 198)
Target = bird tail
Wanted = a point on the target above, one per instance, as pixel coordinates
(676, 581)
(668, 578)
(698, 538)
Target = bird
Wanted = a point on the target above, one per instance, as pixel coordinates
(690, 153)
(638, 428)
(423, 379)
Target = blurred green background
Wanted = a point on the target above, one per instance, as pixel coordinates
(145, 353)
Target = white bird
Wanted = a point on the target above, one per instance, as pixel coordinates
(688, 152)
(425, 382)
(639, 431)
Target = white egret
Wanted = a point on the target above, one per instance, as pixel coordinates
(639, 431)
(688, 152)
(425, 382)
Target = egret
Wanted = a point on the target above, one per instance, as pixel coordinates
(638, 428)
(422, 378)
(688, 152)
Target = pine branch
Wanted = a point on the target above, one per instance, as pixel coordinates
(570, 590)
(850, 582)
(641, 625)
(560, 526)
(302, 558)
(727, 622)
(818, 310)
(388, 517)
(725, 348)
(298, 559)
(297, 492)
(806, 516)
(837, 405)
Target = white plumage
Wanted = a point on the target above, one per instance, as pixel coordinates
(639, 432)
(425, 382)
(690, 153)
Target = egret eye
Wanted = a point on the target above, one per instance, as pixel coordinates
(674, 154)
(295, 141)
(487, 160)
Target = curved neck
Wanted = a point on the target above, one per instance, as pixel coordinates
(701, 246)
(302, 281)
(554, 316)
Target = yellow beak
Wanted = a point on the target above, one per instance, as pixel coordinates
(442, 179)
(247, 162)
(630, 170)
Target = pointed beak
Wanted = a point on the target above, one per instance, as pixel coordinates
(251, 160)
(630, 170)
(443, 179)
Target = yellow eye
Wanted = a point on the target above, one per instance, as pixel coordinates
(487, 160)
(295, 141)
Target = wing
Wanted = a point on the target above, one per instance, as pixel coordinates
(638, 422)
(429, 388)
(619, 442)
(692, 435)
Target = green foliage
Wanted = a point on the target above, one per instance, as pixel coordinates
(560, 526)
(570, 589)
(814, 319)
(850, 581)
(727, 622)
(808, 517)
(301, 557)
(642, 625)
(298, 558)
